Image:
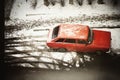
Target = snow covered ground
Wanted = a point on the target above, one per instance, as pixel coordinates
(31, 46)
(93, 15)
(23, 10)
(34, 24)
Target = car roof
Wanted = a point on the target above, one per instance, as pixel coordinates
(73, 31)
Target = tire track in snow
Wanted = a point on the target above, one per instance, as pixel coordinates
(33, 43)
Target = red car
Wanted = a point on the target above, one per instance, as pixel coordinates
(78, 38)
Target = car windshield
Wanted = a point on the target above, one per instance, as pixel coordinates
(55, 32)
(90, 36)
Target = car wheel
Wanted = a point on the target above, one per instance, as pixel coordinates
(99, 52)
(62, 50)
(53, 49)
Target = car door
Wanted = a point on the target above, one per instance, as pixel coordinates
(59, 43)
(69, 44)
(81, 46)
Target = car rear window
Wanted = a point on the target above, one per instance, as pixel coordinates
(55, 32)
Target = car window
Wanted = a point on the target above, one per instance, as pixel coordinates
(70, 40)
(59, 40)
(81, 41)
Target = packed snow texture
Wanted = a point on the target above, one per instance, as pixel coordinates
(23, 10)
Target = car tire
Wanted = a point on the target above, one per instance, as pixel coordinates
(54, 50)
(100, 52)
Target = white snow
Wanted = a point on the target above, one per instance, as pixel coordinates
(19, 55)
(23, 48)
(30, 59)
(22, 10)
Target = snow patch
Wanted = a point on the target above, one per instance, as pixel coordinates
(22, 10)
